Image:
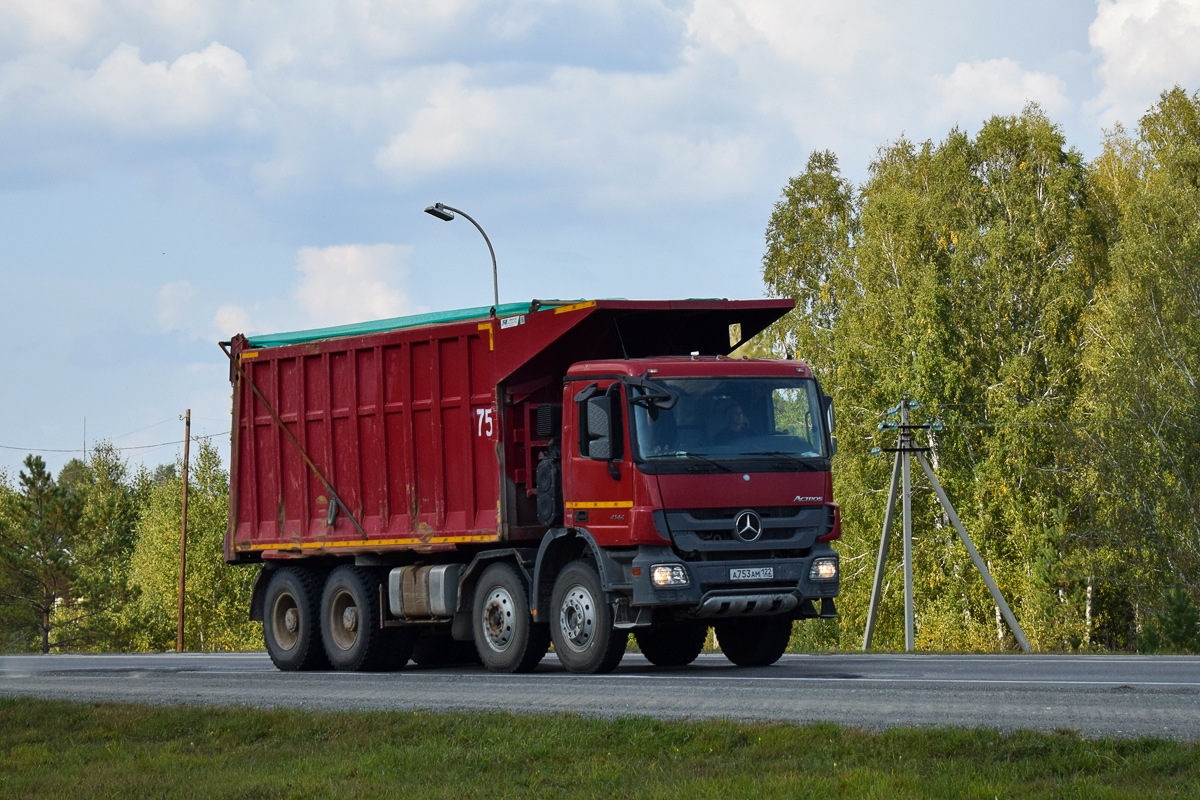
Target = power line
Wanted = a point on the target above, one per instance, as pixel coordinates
(148, 427)
(122, 449)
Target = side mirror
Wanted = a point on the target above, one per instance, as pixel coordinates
(600, 426)
(827, 407)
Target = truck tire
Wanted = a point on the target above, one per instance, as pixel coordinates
(581, 622)
(354, 641)
(291, 627)
(672, 645)
(506, 637)
(754, 642)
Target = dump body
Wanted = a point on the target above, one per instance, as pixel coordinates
(423, 428)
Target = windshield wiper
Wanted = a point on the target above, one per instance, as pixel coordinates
(699, 456)
(803, 463)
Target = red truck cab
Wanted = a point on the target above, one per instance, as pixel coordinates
(703, 487)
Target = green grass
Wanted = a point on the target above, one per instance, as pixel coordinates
(77, 751)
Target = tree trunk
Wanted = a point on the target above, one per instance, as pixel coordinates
(1087, 615)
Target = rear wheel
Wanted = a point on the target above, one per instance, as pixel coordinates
(672, 645)
(291, 610)
(582, 624)
(506, 637)
(350, 629)
(754, 642)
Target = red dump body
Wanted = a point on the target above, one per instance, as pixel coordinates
(421, 436)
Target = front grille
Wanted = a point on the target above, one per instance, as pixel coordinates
(766, 512)
(768, 534)
(699, 530)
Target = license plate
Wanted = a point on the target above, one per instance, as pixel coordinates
(752, 574)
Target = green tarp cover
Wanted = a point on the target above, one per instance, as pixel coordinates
(433, 318)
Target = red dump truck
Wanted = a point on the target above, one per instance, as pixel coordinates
(481, 484)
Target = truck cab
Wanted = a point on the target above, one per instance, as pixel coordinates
(702, 487)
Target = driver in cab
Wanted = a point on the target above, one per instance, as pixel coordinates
(734, 425)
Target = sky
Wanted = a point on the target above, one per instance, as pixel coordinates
(173, 172)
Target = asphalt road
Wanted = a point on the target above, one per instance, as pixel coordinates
(1098, 696)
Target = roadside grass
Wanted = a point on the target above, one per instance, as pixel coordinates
(77, 751)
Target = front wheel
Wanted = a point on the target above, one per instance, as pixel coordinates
(582, 624)
(506, 637)
(674, 645)
(754, 642)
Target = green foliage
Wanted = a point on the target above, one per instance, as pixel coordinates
(1047, 311)
(217, 597)
(110, 503)
(815, 636)
(1142, 355)
(36, 561)
(809, 241)
(62, 750)
(90, 562)
(1175, 629)
(16, 625)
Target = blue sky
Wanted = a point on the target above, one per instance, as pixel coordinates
(173, 172)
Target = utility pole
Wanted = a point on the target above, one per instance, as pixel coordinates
(187, 440)
(906, 476)
(905, 448)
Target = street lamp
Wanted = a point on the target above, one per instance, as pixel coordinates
(446, 213)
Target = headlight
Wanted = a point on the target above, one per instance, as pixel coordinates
(669, 575)
(823, 569)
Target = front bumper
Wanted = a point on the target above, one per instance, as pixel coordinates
(712, 593)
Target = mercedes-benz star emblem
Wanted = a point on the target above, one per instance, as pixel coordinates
(747, 526)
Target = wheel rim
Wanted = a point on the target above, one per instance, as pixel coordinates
(577, 618)
(343, 620)
(285, 621)
(498, 619)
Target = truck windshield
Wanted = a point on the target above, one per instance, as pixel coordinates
(730, 418)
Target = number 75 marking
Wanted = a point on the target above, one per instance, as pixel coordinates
(483, 420)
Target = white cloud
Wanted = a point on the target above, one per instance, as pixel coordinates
(826, 38)
(336, 285)
(394, 96)
(978, 90)
(620, 139)
(181, 309)
(351, 283)
(349, 92)
(230, 320)
(1145, 47)
(51, 23)
(195, 91)
(176, 306)
(405, 29)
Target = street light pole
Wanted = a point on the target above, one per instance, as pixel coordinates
(446, 213)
